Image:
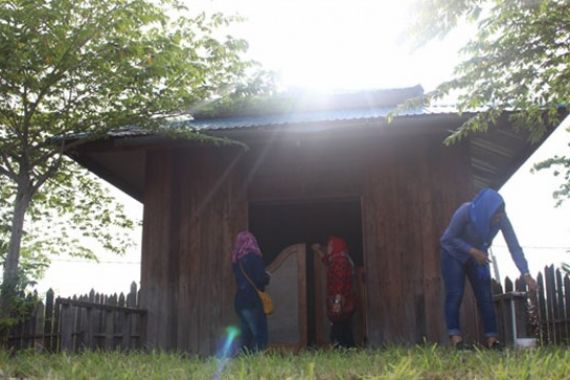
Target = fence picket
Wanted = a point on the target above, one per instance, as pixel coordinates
(38, 326)
(542, 314)
(48, 321)
(560, 322)
(567, 307)
(521, 310)
(552, 304)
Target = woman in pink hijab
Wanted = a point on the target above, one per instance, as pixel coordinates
(249, 271)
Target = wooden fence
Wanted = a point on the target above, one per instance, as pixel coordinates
(93, 321)
(544, 315)
(96, 321)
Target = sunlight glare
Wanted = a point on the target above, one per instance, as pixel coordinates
(335, 44)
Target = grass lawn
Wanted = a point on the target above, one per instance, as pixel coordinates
(429, 362)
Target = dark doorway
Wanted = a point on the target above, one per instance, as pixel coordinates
(279, 225)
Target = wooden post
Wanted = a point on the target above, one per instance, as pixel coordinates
(75, 330)
(120, 318)
(98, 328)
(108, 323)
(560, 309)
(66, 326)
(89, 322)
(508, 311)
(520, 309)
(567, 307)
(542, 314)
(129, 322)
(48, 322)
(38, 326)
(551, 303)
(497, 290)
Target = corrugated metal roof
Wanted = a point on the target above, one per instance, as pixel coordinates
(281, 120)
(309, 117)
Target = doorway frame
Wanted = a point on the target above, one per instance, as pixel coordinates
(361, 273)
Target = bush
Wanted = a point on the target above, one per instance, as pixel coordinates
(18, 304)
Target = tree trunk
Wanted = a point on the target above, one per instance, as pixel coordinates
(11, 265)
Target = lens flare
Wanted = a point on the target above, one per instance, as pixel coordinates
(225, 352)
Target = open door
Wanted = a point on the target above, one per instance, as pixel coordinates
(287, 326)
(284, 231)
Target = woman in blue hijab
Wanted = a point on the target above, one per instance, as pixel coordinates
(464, 253)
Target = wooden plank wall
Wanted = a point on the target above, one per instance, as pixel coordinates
(302, 169)
(157, 295)
(411, 190)
(196, 201)
(213, 210)
(194, 206)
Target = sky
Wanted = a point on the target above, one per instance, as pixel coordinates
(340, 45)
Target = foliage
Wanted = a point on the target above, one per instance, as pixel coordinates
(427, 362)
(21, 305)
(72, 214)
(517, 62)
(561, 165)
(77, 70)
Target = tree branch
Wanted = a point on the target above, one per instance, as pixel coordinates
(11, 121)
(47, 174)
(9, 167)
(8, 173)
(59, 69)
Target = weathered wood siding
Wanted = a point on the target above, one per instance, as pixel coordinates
(193, 208)
(196, 201)
(411, 191)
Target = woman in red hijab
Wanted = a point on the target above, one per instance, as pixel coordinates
(340, 296)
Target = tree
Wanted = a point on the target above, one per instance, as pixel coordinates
(83, 68)
(63, 220)
(518, 61)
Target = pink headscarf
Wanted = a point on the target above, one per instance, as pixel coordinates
(245, 243)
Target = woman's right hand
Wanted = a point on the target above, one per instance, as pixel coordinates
(479, 256)
(318, 249)
(530, 283)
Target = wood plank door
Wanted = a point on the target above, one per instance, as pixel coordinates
(287, 326)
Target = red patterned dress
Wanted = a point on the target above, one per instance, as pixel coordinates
(339, 280)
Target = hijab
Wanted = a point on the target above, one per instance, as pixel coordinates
(338, 246)
(483, 208)
(245, 243)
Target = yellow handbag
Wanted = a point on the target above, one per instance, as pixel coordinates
(265, 298)
(266, 301)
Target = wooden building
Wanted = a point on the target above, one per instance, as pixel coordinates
(327, 165)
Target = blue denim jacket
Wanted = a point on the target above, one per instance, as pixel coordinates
(462, 234)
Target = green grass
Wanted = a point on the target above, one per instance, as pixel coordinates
(429, 362)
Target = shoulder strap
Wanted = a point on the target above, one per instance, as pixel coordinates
(246, 276)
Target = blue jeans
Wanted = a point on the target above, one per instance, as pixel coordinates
(253, 328)
(479, 276)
